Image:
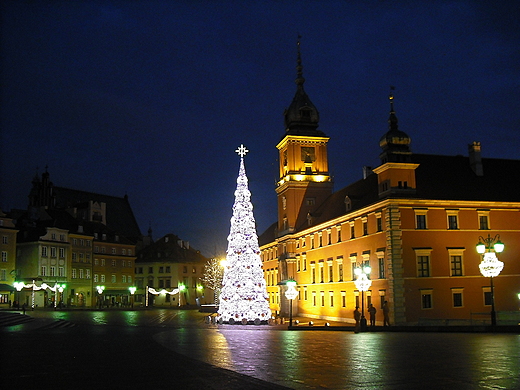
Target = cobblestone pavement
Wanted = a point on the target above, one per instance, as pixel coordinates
(164, 349)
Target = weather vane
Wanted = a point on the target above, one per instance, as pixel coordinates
(242, 151)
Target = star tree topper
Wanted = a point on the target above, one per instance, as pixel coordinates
(242, 151)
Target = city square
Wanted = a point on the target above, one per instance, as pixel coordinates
(163, 349)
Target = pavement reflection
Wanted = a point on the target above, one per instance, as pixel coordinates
(313, 359)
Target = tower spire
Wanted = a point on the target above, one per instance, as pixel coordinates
(392, 120)
(395, 143)
(301, 117)
(299, 68)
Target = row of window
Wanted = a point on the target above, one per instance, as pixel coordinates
(81, 242)
(166, 269)
(80, 273)
(81, 257)
(323, 238)
(124, 251)
(301, 266)
(457, 298)
(4, 256)
(5, 239)
(274, 298)
(54, 237)
(114, 262)
(421, 221)
(101, 278)
(424, 267)
(318, 240)
(53, 252)
(51, 271)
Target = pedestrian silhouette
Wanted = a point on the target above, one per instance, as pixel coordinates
(372, 311)
(386, 314)
(357, 316)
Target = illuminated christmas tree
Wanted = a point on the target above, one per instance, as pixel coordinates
(243, 298)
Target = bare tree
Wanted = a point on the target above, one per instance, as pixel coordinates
(212, 279)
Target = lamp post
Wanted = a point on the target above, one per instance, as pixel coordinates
(182, 287)
(490, 266)
(363, 284)
(100, 290)
(18, 286)
(58, 289)
(291, 294)
(132, 292)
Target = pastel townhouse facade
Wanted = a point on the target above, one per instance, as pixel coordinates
(8, 233)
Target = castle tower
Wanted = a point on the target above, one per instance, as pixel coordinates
(304, 181)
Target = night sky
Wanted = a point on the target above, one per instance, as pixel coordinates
(151, 98)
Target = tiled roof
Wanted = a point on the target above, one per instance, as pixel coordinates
(437, 177)
(170, 249)
(120, 217)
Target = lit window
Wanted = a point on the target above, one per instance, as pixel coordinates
(456, 265)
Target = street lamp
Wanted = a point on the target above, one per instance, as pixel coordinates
(363, 284)
(100, 290)
(58, 289)
(182, 287)
(490, 266)
(19, 287)
(290, 294)
(132, 292)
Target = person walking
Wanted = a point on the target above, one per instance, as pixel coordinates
(386, 314)
(372, 311)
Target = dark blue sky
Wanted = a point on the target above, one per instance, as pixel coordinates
(151, 98)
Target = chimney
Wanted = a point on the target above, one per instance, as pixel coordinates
(475, 159)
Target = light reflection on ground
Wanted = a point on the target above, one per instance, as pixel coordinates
(344, 360)
(317, 359)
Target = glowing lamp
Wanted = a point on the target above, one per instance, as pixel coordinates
(481, 248)
(132, 290)
(19, 285)
(490, 265)
(499, 246)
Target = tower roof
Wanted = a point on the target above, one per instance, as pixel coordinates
(395, 143)
(302, 116)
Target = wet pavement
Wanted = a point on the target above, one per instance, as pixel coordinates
(173, 348)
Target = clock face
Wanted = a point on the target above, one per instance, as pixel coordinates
(308, 153)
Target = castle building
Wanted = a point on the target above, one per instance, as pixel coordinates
(414, 219)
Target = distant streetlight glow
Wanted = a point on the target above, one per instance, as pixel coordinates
(291, 294)
(490, 266)
(363, 284)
